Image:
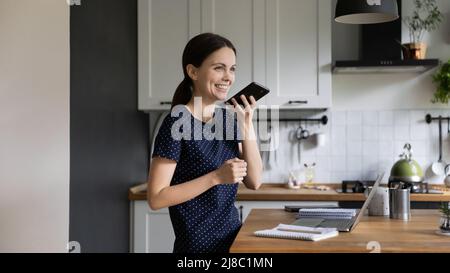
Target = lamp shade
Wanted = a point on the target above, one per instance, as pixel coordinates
(366, 11)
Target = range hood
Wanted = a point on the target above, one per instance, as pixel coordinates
(384, 66)
(381, 52)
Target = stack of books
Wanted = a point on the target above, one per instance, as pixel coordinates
(325, 213)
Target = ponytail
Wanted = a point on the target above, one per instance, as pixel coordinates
(183, 93)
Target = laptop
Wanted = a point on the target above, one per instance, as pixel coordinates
(346, 225)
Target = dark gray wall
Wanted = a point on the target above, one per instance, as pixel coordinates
(109, 137)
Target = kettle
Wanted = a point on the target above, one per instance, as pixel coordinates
(406, 169)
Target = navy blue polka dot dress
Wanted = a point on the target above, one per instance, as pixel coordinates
(209, 222)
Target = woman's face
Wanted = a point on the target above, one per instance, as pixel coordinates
(212, 80)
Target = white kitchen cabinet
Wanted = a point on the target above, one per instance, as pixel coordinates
(285, 45)
(165, 26)
(298, 53)
(162, 33)
(152, 232)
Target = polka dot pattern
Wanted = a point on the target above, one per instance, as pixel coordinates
(209, 222)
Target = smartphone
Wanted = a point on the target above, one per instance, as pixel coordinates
(253, 89)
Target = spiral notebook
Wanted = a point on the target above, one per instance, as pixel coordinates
(334, 213)
(298, 233)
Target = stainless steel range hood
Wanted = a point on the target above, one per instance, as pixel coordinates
(381, 52)
(385, 66)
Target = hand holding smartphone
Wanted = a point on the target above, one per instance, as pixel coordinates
(253, 89)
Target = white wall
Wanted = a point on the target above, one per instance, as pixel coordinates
(34, 125)
(384, 91)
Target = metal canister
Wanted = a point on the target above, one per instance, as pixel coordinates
(399, 204)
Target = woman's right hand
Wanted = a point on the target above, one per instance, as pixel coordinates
(232, 171)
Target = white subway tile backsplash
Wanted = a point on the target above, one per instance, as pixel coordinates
(360, 144)
(370, 148)
(338, 149)
(371, 175)
(386, 118)
(419, 131)
(417, 116)
(323, 177)
(338, 133)
(370, 132)
(354, 132)
(354, 164)
(338, 164)
(353, 176)
(446, 151)
(354, 148)
(370, 163)
(354, 118)
(386, 133)
(338, 176)
(370, 118)
(323, 163)
(385, 163)
(401, 132)
(401, 117)
(339, 118)
(324, 150)
(386, 148)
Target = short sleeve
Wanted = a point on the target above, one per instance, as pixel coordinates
(165, 145)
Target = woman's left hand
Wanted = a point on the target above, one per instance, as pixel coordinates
(245, 115)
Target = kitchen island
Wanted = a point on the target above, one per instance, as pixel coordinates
(151, 231)
(372, 234)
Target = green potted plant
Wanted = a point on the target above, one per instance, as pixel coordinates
(442, 79)
(445, 218)
(425, 17)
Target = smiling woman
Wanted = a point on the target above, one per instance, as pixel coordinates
(197, 177)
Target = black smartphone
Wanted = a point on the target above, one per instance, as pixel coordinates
(253, 89)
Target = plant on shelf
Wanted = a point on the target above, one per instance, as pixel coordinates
(425, 17)
(442, 79)
(445, 218)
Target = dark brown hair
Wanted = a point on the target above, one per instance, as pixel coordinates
(195, 52)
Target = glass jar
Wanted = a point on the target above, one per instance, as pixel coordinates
(310, 174)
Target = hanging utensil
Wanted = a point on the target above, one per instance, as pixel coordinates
(438, 168)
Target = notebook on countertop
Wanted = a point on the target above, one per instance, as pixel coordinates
(298, 232)
(327, 213)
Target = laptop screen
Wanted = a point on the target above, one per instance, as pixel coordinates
(369, 198)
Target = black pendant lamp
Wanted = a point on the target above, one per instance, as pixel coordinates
(366, 11)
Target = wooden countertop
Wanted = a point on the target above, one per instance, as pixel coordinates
(278, 192)
(416, 235)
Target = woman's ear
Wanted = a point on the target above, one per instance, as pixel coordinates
(192, 72)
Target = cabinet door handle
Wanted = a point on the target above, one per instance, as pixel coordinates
(298, 102)
(165, 102)
(241, 208)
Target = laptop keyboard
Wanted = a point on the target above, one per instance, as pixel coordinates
(340, 224)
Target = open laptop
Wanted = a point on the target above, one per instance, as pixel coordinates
(341, 224)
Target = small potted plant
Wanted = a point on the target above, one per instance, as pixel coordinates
(425, 18)
(442, 79)
(445, 218)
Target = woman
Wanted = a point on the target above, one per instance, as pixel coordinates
(197, 178)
